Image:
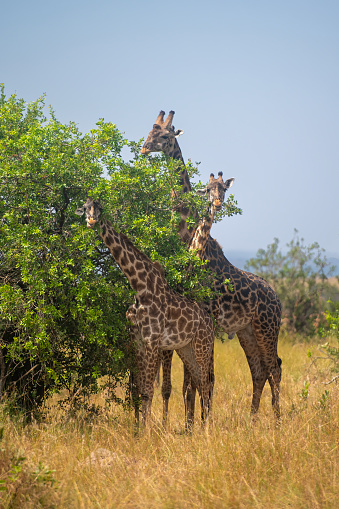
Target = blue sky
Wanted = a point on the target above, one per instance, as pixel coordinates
(254, 84)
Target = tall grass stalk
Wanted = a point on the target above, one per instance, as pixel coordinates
(97, 461)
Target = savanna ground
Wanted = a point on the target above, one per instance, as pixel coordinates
(97, 462)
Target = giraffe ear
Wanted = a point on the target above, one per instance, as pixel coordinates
(201, 192)
(178, 133)
(228, 183)
(80, 211)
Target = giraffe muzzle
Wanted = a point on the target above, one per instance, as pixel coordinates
(145, 151)
(90, 222)
(217, 205)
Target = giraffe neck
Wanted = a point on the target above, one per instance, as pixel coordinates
(175, 153)
(135, 265)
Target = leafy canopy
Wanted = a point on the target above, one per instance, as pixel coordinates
(63, 299)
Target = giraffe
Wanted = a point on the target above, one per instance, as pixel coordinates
(161, 319)
(251, 310)
(215, 190)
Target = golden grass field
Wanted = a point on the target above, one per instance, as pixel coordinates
(78, 462)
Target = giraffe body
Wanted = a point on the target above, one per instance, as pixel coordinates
(160, 319)
(252, 310)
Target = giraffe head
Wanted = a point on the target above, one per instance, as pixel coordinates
(162, 137)
(92, 209)
(215, 191)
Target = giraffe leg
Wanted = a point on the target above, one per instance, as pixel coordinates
(274, 380)
(143, 375)
(149, 369)
(157, 377)
(207, 386)
(204, 401)
(136, 376)
(267, 343)
(135, 392)
(166, 389)
(189, 393)
(211, 379)
(198, 374)
(189, 388)
(249, 344)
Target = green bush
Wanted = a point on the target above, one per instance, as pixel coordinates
(63, 299)
(301, 279)
(331, 346)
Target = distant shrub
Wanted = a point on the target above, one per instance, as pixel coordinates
(332, 346)
(301, 280)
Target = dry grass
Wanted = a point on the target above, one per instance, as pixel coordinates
(233, 464)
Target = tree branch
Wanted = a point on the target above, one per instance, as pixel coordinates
(330, 381)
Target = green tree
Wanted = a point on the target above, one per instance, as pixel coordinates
(62, 297)
(57, 314)
(300, 278)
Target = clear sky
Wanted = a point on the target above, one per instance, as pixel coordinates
(254, 84)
